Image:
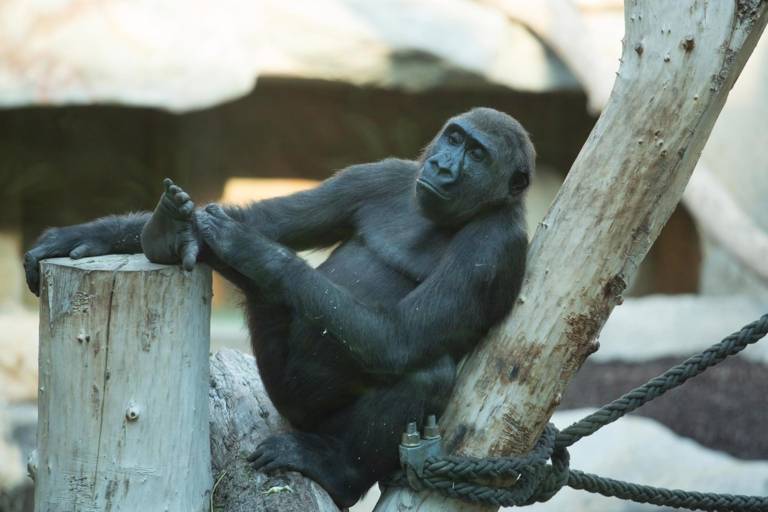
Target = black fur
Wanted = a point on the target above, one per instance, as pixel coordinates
(431, 254)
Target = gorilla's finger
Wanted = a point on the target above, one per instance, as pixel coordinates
(187, 208)
(181, 198)
(91, 248)
(216, 210)
(167, 183)
(259, 462)
(32, 272)
(271, 466)
(189, 253)
(174, 189)
(80, 251)
(203, 222)
(255, 454)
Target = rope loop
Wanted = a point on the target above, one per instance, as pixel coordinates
(540, 474)
(502, 481)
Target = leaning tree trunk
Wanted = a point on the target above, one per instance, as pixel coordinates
(680, 59)
(123, 397)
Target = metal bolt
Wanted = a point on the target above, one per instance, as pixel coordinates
(411, 435)
(430, 429)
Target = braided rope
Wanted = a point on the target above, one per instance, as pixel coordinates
(488, 480)
(675, 498)
(501, 481)
(670, 379)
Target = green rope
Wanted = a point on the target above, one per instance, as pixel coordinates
(670, 379)
(675, 498)
(540, 474)
(501, 481)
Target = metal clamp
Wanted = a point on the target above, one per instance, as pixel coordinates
(416, 449)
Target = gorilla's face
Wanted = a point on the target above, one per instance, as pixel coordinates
(474, 162)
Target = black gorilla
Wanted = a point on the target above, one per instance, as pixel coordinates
(431, 254)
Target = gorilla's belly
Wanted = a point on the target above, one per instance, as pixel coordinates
(318, 374)
(354, 266)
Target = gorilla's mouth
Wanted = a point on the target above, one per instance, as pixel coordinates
(429, 187)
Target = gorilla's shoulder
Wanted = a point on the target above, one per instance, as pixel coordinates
(390, 174)
(504, 225)
(389, 168)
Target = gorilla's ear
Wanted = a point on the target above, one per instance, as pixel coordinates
(518, 182)
(524, 162)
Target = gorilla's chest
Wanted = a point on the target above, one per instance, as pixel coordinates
(397, 236)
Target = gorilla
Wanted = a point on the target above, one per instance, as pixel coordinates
(430, 255)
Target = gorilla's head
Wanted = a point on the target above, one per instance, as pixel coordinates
(480, 159)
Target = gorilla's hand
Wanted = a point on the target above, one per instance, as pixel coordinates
(170, 235)
(260, 260)
(90, 239)
(221, 233)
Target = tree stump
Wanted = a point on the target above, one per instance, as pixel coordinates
(123, 397)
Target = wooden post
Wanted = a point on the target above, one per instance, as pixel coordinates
(123, 397)
(680, 59)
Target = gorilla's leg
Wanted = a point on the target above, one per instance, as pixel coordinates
(359, 446)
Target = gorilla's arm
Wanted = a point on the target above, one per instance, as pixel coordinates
(315, 218)
(473, 286)
(166, 235)
(321, 216)
(115, 234)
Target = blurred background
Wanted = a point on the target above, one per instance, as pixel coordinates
(240, 100)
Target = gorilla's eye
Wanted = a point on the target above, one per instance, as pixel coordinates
(518, 182)
(455, 138)
(477, 154)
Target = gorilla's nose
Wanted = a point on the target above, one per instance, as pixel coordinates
(445, 173)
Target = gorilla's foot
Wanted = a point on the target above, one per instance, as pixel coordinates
(221, 233)
(313, 456)
(169, 234)
(175, 205)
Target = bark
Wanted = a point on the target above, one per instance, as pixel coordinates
(242, 416)
(680, 59)
(123, 386)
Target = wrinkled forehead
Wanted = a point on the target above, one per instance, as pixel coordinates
(495, 135)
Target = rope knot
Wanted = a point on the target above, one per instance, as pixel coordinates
(503, 481)
(515, 481)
